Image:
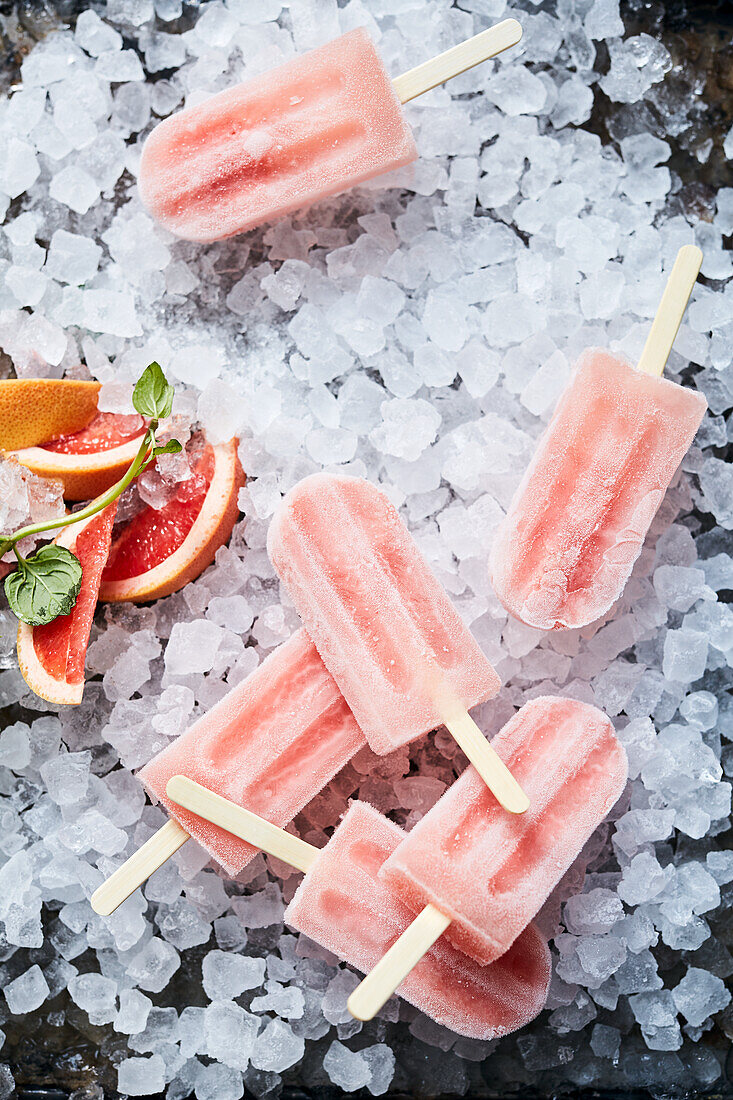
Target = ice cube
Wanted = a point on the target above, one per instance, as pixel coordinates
(96, 995)
(217, 1082)
(643, 879)
(277, 1048)
(594, 912)
(286, 1001)
(230, 1033)
(407, 428)
(516, 91)
(347, 1069)
(603, 20)
(94, 35)
(154, 965)
(141, 1076)
(74, 188)
(27, 992)
(685, 655)
(699, 995)
(133, 1012)
(19, 167)
(381, 1061)
(15, 749)
(193, 647)
(67, 777)
(219, 411)
(226, 975)
(605, 1041)
(72, 258)
(118, 66)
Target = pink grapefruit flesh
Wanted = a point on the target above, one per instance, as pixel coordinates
(52, 657)
(90, 461)
(160, 549)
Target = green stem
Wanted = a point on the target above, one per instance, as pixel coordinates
(97, 505)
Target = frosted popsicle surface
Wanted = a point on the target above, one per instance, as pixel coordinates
(270, 745)
(343, 905)
(315, 126)
(385, 628)
(577, 522)
(490, 871)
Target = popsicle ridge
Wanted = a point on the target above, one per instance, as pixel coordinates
(225, 115)
(611, 448)
(227, 176)
(552, 746)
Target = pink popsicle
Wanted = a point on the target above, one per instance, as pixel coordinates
(576, 525)
(271, 744)
(490, 872)
(383, 625)
(313, 127)
(345, 907)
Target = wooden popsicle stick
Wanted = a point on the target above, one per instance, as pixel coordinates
(457, 60)
(140, 866)
(405, 953)
(487, 762)
(671, 310)
(242, 823)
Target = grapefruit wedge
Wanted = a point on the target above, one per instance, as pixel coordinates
(89, 461)
(51, 657)
(160, 549)
(35, 410)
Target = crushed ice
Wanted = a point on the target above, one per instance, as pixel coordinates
(407, 334)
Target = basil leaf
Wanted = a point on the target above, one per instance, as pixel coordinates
(153, 394)
(172, 447)
(45, 585)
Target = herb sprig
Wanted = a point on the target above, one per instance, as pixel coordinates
(46, 584)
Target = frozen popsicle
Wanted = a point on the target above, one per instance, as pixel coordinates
(344, 906)
(576, 525)
(383, 625)
(316, 126)
(271, 744)
(479, 875)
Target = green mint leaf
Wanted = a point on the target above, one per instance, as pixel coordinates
(172, 447)
(153, 394)
(44, 586)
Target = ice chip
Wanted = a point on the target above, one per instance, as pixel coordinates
(27, 992)
(700, 995)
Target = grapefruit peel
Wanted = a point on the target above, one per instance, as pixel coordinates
(210, 530)
(82, 475)
(36, 410)
(51, 654)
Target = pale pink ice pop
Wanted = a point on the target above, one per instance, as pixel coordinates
(383, 625)
(565, 549)
(489, 872)
(342, 905)
(313, 127)
(271, 744)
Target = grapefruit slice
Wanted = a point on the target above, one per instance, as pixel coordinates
(51, 657)
(160, 549)
(91, 460)
(35, 410)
